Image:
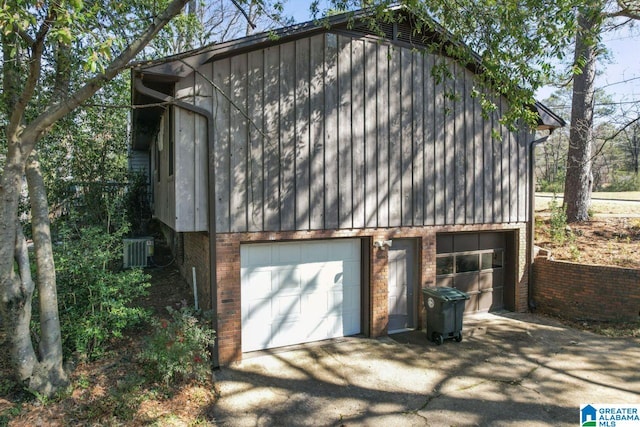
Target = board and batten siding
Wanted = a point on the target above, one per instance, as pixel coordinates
(335, 131)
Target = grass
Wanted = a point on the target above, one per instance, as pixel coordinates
(620, 195)
(601, 204)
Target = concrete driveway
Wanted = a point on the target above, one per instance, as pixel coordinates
(510, 369)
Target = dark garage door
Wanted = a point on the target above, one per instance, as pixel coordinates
(475, 264)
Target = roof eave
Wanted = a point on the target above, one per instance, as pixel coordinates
(181, 65)
(547, 119)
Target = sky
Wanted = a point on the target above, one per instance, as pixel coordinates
(623, 65)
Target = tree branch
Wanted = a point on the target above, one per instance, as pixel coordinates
(35, 65)
(56, 111)
(235, 3)
(627, 9)
(614, 136)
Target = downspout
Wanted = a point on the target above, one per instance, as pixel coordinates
(532, 201)
(211, 180)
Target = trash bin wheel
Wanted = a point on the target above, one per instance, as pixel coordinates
(458, 336)
(437, 338)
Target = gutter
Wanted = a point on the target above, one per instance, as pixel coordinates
(211, 180)
(532, 199)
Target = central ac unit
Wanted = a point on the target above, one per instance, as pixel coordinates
(137, 252)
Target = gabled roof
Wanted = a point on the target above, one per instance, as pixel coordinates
(175, 67)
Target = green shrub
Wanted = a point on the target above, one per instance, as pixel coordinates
(177, 350)
(624, 182)
(557, 222)
(94, 295)
(550, 186)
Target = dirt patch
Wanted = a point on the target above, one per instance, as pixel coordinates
(602, 241)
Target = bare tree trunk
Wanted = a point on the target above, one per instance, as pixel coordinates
(579, 179)
(49, 374)
(635, 150)
(23, 353)
(16, 285)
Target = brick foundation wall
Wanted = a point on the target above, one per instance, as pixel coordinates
(522, 274)
(228, 272)
(588, 292)
(195, 253)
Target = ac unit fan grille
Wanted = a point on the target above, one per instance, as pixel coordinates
(137, 252)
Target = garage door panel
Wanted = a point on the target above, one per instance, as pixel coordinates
(258, 336)
(471, 305)
(486, 280)
(286, 254)
(329, 274)
(288, 306)
(351, 273)
(314, 298)
(287, 281)
(317, 252)
(465, 242)
(315, 304)
(343, 253)
(351, 296)
(444, 281)
(286, 332)
(466, 282)
(498, 298)
(257, 255)
(345, 324)
(485, 300)
(260, 310)
(259, 282)
(498, 277)
(491, 240)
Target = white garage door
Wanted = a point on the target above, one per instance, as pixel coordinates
(299, 292)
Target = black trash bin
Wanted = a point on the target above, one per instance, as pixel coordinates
(445, 307)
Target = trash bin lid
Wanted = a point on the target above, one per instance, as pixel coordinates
(445, 293)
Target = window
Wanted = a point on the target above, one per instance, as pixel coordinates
(487, 260)
(444, 265)
(467, 263)
(492, 259)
